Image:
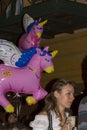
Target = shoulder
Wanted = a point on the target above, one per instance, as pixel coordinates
(82, 114)
(42, 116)
(40, 121)
(43, 113)
(83, 105)
(83, 100)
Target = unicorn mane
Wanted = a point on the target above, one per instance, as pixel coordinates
(26, 57)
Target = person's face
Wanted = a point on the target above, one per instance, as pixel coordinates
(65, 97)
(11, 119)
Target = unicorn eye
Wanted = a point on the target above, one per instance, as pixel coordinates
(40, 28)
(33, 28)
(47, 60)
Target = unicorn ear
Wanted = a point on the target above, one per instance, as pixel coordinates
(46, 48)
(39, 19)
(38, 50)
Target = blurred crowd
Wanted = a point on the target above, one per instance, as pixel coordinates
(12, 123)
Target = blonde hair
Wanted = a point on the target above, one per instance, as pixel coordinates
(50, 100)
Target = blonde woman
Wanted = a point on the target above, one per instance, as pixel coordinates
(54, 115)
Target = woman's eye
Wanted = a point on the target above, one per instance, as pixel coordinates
(68, 93)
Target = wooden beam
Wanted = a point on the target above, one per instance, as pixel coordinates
(12, 31)
(48, 8)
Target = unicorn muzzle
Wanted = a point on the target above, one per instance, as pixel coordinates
(49, 69)
(39, 35)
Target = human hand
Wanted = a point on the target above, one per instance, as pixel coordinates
(68, 125)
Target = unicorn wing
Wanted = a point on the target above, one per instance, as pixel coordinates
(9, 53)
(27, 20)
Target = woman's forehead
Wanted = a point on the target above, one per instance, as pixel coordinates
(68, 87)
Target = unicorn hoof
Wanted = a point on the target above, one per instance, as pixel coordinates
(30, 100)
(9, 108)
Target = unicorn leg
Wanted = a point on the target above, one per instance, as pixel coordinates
(39, 94)
(6, 104)
(9, 108)
(31, 100)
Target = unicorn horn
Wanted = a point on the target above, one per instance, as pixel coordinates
(42, 23)
(54, 53)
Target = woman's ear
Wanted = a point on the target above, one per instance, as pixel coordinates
(56, 94)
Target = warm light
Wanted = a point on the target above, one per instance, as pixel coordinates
(81, 92)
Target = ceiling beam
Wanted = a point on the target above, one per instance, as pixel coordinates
(12, 31)
(47, 8)
(54, 6)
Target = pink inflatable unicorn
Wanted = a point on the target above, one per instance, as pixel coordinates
(27, 79)
(33, 32)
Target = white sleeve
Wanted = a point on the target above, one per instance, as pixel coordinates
(40, 122)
